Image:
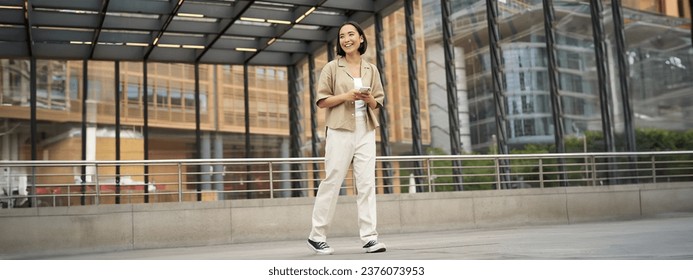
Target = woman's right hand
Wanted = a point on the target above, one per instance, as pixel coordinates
(349, 96)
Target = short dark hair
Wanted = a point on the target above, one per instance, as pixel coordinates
(362, 47)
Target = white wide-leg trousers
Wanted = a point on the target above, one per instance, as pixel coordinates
(341, 147)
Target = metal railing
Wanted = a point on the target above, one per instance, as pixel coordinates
(61, 183)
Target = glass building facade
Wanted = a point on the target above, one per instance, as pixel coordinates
(658, 51)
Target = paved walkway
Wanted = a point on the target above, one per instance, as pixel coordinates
(667, 237)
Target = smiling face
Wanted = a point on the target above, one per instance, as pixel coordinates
(349, 39)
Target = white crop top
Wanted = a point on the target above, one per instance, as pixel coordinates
(360, 104)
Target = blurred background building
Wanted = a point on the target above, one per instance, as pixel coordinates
(660, 67)
(170, 101)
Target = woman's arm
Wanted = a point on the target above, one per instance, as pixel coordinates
(377, 94)
(335, 100)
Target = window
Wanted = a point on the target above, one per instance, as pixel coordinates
(176, 95)
(161, 96)
(527, 105)
(74, 87)
(133, 92)
(189, 100)
(150, 95)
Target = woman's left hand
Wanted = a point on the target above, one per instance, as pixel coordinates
(365, 96)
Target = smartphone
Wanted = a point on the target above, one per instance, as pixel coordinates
(364, 89)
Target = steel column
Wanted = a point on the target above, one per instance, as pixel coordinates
(145, 129)
(117, 131)
(32, 104)
(34, 128)
(85, 96)
(314, 139)
(451, 86)
(295, 131)
(417, 148)
(246, 116)
(198, 133)
(596, 10)
(384, 119)
(623, 74)
(218, 177)
(556, 107)
(246, 108)
(498, 98)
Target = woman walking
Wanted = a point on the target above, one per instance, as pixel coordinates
(351, 92)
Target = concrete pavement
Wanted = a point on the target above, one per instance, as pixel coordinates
(665, 237)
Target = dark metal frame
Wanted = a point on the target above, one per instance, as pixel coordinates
(596, 10)
(498, 97)
(451, 86)
(198, 132)
(97, 32)
(117, 130)
(27, 10)
(145, 129)
(556, 107)
(246, 116)
(623, 71)
(85, 97)
(384, 118)
(417, 148)
(295, 130)
(33, 125)
(314, 139)
(175, 6)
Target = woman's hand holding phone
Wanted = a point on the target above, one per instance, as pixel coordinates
(364, 93)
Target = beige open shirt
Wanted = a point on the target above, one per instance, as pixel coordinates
(335, 79)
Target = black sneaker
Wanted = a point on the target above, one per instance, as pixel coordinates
(320, 248)
(374, 247)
